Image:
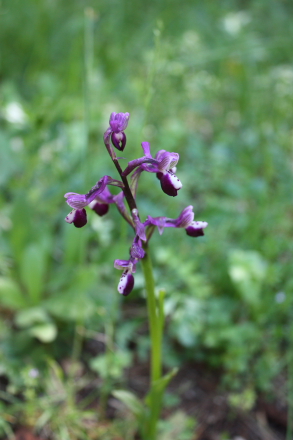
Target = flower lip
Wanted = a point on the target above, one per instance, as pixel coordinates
(78, 217)
(170, 183)
(118, 140)
(118, 121)
(195, 229)
(126, 283)
(99, 208)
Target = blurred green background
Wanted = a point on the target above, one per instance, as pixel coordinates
(210, 80)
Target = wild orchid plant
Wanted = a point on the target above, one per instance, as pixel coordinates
(98, 199)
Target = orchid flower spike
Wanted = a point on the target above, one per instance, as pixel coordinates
(163, 165)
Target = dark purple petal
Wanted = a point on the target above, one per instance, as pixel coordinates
(99, 208)
(195, 229)
(126, 283)
(118, 140)
(78, 217)
(170, 184)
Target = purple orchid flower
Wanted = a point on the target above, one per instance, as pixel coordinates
(79, 201)
(163, 165)
(98, 198)
(118, 123)
(101, 203)
(126, 282)
(185, 220)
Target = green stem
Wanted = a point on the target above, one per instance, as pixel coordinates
(289, 433)
(155, 325)
(155, 331)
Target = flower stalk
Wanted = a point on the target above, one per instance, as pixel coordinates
(155, 329)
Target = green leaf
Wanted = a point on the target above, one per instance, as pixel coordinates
(247, 270)
(75, 303)
(131, 401)
(28, 317)
(44, 332)
(33, 266)
(10, 294)
(111, 364)
(158, 387)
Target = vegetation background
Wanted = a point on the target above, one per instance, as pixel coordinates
(210, 80)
